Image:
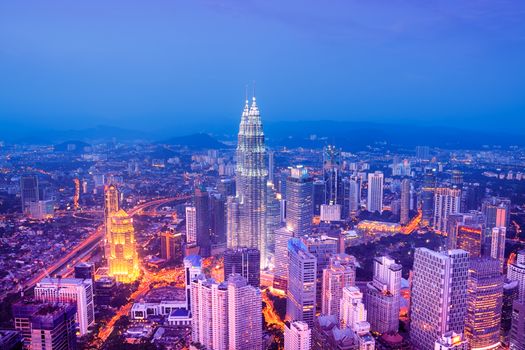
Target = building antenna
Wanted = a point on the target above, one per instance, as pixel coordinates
(254, 89)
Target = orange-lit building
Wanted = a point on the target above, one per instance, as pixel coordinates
(123, 258)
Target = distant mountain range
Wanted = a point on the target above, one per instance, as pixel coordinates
(350, 136)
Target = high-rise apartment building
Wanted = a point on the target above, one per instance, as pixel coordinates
(251, 178)
(245, 262)
(375, 192)
(123, 258)
(446, 202)
(484, 302)
(301, 293)
(191, 225)
(70, 290)
(439, 295)
(299, 206)
(382, 297)
(244, 314)
(297, 336)
(340, 273)
(497, 246)
(353, 316)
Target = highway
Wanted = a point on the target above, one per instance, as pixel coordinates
(91, 242)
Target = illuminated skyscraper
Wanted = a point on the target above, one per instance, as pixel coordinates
(339, 274)
(111, 206)
(497, 251)
(252, 175)
(446, 202)
(273, 218)
(299, 205)
(510, 294)
(123, 258)
(484, 301)
(191, 225)
(280, 271)
(439, 295)
(29, 192)
(517, 332)
(375, 192)
(171, 246)
(496, 211)
(322, 248)
(202, 210)
(245, 262)
(382, 298)
(332, 175)
(300, 297)
(516, 272)
(427, 197)
(405, 202)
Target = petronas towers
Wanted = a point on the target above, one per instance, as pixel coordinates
(247, 211)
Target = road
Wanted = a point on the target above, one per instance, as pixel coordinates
(91, 242)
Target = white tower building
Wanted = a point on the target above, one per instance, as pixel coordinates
(375, 192)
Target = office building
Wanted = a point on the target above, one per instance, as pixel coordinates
(299, 206)
(280, 271)
(297, 336)
(330, 212)
(439, 295)
(322, 248)
(382, 297)
(301, 292)
(510, 294)
(251, 179)
(70, 290)
(516, 272)
(245, 262)
(201, 201)
(171, 246)
(226, 187)
(123, 258)
(332, 175)
(497, 246)
(273, 219)
(423, 152)
(46, 326)
(29, 191)
(111, 207)
(405, 202)
(484, 303)
(85, 270)
(352, 194)
(446, 202)
(191, 225)
(217, 218)
(427, 197)
(496, 211)
(517, 331)
(375, 192)
(244, 314)
(340, 273)
(318, 196)
(233, 222)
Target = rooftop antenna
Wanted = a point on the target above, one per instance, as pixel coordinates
(246, 93)
(254, 90)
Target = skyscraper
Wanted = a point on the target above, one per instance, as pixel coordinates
(496, 211)
(405, 202)
(352, 193)
(191, 225)
(273, 218)
(29, 191)
(332, 175)
(427, 197)
(446, 202)
(111, 206)
(280, 272)
(516, 272)
(217, 218)
(484, 301)
(318, 196)
(70, 290)
(439, 295)
(510, 294)
(382, 298)
(192, 269)
(252, 175)
(299, 206)
(233, 223)
(171, 246)
(123, 257)
(202, 210)
(353, 316)
(375, 192)
(245, 262)
(244, 314)
(322, 248)
(297, 336)
(517, 331)
(271, 165)
(497, 246)
(340, 273)
(301, 293)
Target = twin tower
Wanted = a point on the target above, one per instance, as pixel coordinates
(246, 212)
